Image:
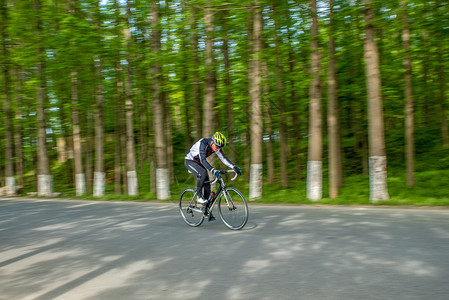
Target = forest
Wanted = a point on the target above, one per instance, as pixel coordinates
(334, 101)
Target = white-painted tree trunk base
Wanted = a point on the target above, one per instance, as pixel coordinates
(314, 180)
(162, 184)
(133, 188)
(45, 185)
(378, 178)
(99, 184)
(11, 186)
(80, 184)
(255, 182)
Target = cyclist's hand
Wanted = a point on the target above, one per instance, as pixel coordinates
(237, 170)
(217, 173)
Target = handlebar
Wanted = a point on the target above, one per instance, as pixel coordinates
(225, 172)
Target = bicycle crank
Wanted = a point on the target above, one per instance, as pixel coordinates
(196, 209)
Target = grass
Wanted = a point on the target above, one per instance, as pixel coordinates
(431, 189)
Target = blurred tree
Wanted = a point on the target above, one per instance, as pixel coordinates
(44, 177)
(333, 114)
(6, 64)
(162, 170)
(210, 80)
(409, 107)
(131, 173)
(280, 96)
(99, 174)
(80, 177)
(255, 189)
(314, 163)
(377, 159)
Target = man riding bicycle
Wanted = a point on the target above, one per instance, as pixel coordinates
(196, 163)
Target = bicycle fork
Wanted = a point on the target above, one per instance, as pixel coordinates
(228, 200)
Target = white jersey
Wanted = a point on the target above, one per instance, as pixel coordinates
(203, 149)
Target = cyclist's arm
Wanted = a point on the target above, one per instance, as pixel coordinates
(224, 159)
(202, 155)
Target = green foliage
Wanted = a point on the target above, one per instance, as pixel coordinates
(79, 40)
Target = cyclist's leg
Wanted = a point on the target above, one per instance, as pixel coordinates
(201, 176)
(206, 187)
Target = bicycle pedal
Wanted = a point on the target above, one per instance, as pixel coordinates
(211, 217)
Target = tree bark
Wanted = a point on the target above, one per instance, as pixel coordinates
(195, 78)
(228, 87)
(283, 139)
(377, 159)
(162, 171)
(9, 162)
(409, 106)
(209, 96)
(268, 122)
(99, 173)
(80, 177)
(314, 163)
(255, 188)
(118, 132)
(18, 130)
(333, 118)
(45, 180)
(131, 173)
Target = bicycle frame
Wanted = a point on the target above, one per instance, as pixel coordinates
(222, 189)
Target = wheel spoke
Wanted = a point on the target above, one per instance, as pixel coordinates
(188, 207)
(233, 208)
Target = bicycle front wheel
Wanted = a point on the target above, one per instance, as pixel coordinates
(233, 208)
(190, 211)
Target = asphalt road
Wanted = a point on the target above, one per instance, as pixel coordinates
(63, 249)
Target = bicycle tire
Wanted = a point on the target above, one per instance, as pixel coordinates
(189, 209)
(234, 212)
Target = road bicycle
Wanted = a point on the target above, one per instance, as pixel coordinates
(232, 206)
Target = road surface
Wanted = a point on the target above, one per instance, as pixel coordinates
(73, 249)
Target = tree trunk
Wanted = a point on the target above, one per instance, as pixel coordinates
(255, 188)
(377, 156)
(99, 173)
(333, 118)
(294, 114)
(168, 127)
(426, 97)
(9, 162)
(283, 139)
(409, 106)
(131, 173)
(314, 163)
(80, 178)
(45, 180)
(195, 77)
(162, 171)
(89, 149)
(118, 132)
(18, 128)
(442, 95)
(187, 81)
(209, 96)
(268, 122)
(228, 87)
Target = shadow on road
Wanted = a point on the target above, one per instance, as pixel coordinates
(101, 250)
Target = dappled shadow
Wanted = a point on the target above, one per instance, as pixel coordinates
(98, 250)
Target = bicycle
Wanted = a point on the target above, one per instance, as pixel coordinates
(232, 206)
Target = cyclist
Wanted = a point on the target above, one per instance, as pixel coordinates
(196, 163)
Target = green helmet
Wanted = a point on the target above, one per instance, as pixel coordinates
(219, 139)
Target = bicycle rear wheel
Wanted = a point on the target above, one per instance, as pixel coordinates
(190, 211)
(233, 208)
